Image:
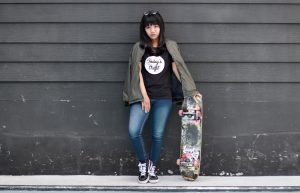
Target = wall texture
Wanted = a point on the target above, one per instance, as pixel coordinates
(63, 63)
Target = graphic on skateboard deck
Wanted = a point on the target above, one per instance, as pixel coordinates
(191, 138)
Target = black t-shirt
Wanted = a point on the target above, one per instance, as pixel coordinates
(156, 71)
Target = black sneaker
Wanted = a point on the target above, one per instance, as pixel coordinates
(143, 176)
(152, 173)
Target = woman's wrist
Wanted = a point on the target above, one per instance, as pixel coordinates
(146, 97)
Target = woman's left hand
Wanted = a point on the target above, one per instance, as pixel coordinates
(197, 96)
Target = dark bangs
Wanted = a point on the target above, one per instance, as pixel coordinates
(152, 18)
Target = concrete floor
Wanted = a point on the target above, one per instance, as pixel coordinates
(166, 183)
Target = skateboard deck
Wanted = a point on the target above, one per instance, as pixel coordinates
(191, 138)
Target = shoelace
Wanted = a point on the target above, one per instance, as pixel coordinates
(151, 169)
(143, 168)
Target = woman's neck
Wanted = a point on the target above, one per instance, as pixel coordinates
(154, 43)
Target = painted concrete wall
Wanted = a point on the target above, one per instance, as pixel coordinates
(63, 63)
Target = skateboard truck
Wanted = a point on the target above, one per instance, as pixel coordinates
(194, 114)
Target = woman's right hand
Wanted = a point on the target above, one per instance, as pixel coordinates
(146, 105)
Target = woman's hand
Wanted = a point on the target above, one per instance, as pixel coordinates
(199, 112)
(197, 97)
(146, 104)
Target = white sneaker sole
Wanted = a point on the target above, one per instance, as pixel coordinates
(153, 181)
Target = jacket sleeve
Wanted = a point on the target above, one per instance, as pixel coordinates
(131, 91)
(188, 83)
(126, 88)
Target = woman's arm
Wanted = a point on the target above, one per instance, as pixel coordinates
(146, 101)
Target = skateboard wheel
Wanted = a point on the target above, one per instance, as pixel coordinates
(196, 163)
(180, 113)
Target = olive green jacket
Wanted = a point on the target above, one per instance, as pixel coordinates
(185, 86)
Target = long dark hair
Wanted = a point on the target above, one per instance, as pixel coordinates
(152, 18)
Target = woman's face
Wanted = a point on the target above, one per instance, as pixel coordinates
(153, 31)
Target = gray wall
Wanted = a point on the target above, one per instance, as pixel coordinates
(63, 62)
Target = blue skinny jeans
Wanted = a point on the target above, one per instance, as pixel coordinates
(159, 112)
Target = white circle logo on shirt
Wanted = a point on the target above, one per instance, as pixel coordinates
(154, 64)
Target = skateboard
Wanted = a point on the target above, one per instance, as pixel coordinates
(191, 138)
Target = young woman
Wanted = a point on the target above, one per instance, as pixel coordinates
(157, 75)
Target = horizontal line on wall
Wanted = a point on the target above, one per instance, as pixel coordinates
(166, 22)
(117, 22)
(125, 62)
(256, 134)
(121, 82)
(131, 43)
(158, 2)
(67, 81)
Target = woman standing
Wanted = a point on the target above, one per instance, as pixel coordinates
(157, 75)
